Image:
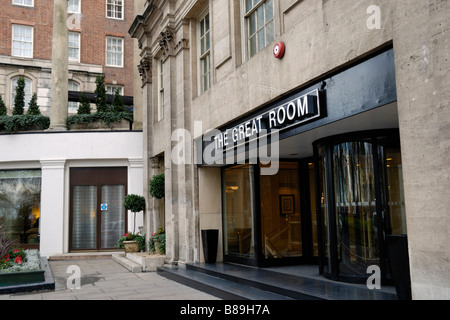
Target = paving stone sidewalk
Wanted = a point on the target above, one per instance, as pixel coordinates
(105, 279)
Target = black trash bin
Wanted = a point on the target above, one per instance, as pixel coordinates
(397, 247)
(210, 241)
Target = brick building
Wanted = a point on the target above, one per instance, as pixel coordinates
(98, 44)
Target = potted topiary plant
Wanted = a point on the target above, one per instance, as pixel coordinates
(134, 203)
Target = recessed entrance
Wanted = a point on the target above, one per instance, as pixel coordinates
(270, 219)
(97, 214)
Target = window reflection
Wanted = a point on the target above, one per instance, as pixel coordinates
(280, 213)
(238, 209)
(20, 193)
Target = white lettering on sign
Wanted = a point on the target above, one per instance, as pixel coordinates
(294, 112)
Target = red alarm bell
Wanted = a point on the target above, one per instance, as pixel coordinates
(278, 50)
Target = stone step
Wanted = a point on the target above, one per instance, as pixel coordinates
(127, 263)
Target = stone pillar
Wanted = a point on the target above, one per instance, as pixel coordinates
(59, 91)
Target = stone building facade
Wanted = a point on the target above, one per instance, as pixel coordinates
(211, 65)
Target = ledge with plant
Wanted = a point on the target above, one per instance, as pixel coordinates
(105, 116)
(19, 120)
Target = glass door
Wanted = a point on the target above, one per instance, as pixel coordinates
(281, 221)
(359, 178)
(112, 224)
(98, 216)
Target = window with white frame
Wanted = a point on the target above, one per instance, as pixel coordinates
(160, 90)
(72, 105)
(111, 89)
(27, 90)
(74, 46)
(114, 52)
(114, 9)
(205, 53)
(28, 3)
(22, 41)
(259, 17)
(74, 6)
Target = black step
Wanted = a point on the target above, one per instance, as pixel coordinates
(216, 286)
(235, 280)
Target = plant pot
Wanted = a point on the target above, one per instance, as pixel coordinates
(21, 278)
(131, 246)
(210, 240)
(157, 247)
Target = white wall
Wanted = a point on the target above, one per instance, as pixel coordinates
(55, 154)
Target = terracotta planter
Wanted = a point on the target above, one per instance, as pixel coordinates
(131, 246)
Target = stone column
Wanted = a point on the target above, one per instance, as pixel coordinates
(59, 91)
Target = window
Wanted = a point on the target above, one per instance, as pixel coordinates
(22, 39)
(20, 199)
(260, 24)
(74, 6)
(114, 9)
(111, 89)
(73, 106)
(74, 46)
(28, 3)
(205, 54)
(161, 90)
(114, 52)
(27, 91)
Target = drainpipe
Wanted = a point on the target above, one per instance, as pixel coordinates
(60, 74)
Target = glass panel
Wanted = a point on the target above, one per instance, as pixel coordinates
(252, 45)
(323, 207)
(355, 198)
(261, 40)
(396, 199)
(280, 213)
(238, 211)
(270, 33)
(20, 196)
(260, 17)
(84, 220)
(269, 10)
(312, 201)
(112, 216)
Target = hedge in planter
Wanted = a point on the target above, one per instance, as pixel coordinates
(157, 188)
(106, 117)
(24, 122)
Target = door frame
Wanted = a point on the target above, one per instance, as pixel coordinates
(95, 176)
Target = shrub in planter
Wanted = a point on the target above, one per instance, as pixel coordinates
(129, 236)
(100, 93)
(3, 110)
(157, 188)
(23, 122)
(33, 107)
(85, 106)
(157, 242)
(134, 203)
(19, 99)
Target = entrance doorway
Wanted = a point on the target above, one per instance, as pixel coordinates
(97, 213)
(270, 220)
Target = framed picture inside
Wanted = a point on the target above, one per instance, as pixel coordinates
(287, 204)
